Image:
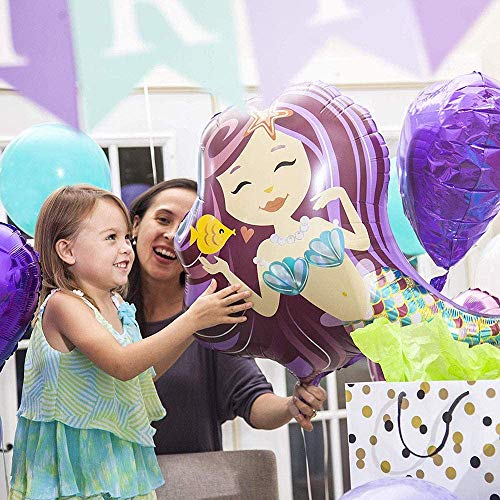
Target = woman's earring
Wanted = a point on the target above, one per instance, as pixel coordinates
(134, 241)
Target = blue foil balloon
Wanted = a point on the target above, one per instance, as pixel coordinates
(20, 281)
(42, 159)
(403, 232)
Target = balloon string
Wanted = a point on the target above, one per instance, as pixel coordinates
(325, 457)
(308, 474)
(4, 461)
(150, 131)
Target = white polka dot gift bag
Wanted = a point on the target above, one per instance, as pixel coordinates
(445, 432)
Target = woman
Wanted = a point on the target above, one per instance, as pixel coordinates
(204, 388)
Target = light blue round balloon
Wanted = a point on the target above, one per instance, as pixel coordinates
(403, 232)
(42, 159)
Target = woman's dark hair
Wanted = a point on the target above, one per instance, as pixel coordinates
(139, 207)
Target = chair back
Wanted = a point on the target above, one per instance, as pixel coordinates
(243, 475)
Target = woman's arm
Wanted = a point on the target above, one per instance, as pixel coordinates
(358, 239)
(265, 304)
(270, 411)
(71, 318)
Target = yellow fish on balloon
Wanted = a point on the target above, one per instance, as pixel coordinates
(210, 234)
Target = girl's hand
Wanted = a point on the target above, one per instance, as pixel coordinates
(306, 401)
(220, 266)
(327, 196)
(214, 308)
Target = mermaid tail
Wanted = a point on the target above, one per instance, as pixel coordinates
(397, 297)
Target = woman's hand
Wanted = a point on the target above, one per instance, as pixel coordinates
(306, 401)
(213, 308)
(220, 266)
(322, 199)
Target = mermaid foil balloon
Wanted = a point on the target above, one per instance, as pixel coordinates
(304, 186)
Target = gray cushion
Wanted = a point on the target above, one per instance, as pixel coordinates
(245, 474)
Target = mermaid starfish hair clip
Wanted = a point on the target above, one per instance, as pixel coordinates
(266, 119)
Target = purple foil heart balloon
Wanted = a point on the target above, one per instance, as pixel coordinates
(449, 161)
(20, 281)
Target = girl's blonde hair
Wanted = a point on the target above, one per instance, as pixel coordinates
(61, 218)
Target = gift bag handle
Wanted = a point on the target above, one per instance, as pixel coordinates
(447, 418)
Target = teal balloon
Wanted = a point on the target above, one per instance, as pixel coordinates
(403, 232)
(42, 159)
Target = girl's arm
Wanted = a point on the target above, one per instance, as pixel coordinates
(358, 239)
(265, 304)
(75, 321)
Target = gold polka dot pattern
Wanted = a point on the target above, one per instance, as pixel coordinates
(489, 450)
(451, 473)
(470, 440)
(489, 477)
(385, 466)
(367, 411)
(469, 408)
(425, 387)
(348, 396)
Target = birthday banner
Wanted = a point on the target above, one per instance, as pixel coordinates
(79, 58)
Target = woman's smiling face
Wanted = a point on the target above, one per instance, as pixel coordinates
(268, 181)
(155, 233)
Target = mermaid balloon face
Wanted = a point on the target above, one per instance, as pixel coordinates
(268, 180)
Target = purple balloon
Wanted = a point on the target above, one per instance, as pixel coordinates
(131, 191)
(478, 301)
(449, 160)
(20, 281)
(399, 488)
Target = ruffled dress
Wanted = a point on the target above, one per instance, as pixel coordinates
(82, 433)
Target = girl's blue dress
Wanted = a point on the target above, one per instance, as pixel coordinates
(82, 433)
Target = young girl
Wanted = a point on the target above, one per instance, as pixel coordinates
(88, 396)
